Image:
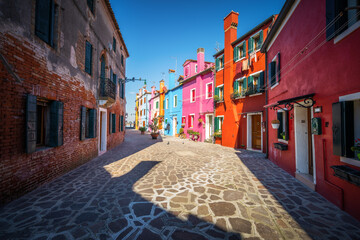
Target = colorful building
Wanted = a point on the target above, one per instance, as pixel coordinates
(239, 91)
(143, 108)
(162, 92)
(173, 106)
(198, 104)
(313, 91)
(63, 102)
(137, 112)
(154, 104)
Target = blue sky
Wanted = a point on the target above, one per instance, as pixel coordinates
(159, 32)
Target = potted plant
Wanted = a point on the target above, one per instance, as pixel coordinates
(142, 130)
(196, 136)
(181, 132)
(218, 137)
(216, 99)
(200, 120)
(283, 135)
(154, 128)
(275, 124)
(235, 95)
(190, 132)
(356, 148)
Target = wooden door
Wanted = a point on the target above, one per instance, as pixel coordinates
(256, 132)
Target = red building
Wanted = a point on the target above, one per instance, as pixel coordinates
(240, 97)
(313, 87)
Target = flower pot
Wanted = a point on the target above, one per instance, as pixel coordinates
(275, 125)
(154, 135)
(142, 133)
(218, 140)
(196, 137)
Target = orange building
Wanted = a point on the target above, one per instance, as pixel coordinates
(240, 95)
(162, 92)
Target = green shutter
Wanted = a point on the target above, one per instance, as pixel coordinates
(236, 86)
(92, 123)
(251, 45)
(113, 123)
(244, 86)
(123, 90)
(88, 58)
(56, 123)
(43, 19)
(217, 91)
(244, 49)
(82, 123)
(216, 123)
(235, 54)
(121, 123)
(260, 39)
(260, 85)
(251, 83)
(110, 123)
(217, 64)
(222, 61)
(31, 106)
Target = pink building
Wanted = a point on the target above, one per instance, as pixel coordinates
(198, 91)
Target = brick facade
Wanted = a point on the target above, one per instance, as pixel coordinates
(30, 66)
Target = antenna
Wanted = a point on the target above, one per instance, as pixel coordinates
(217, 46)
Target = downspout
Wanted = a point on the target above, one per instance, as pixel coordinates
(214, 113)
(266, 109)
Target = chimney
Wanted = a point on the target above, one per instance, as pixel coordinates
(200, 59)
(230, 28)
(153, 91)
(162, 85)
(171, 79)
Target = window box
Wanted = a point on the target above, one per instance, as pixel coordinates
(281, 146)
(347, 173)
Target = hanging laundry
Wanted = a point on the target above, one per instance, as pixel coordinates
(253, 56)
(245, 65)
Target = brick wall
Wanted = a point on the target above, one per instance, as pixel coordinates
(21, 172)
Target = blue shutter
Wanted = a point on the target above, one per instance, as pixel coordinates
(250, 45)
(244, 84)
(31, 106)
(123, 90)
(217, 64)
(82, 123)
(56, 123)
(88, 58)
(235, 54)
(110, 123)
(92, 123)
(236, 86)
(251, 83)
(114, 44)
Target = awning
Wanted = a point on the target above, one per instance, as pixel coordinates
(288, 104)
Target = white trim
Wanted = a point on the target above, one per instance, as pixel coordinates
(240, 59)
(239, 79)
(207, 133)
(220, 69)
(206, 90)
(167, 103)
(173, 127)
(221, 85)
(283, 24)
(194, 95)
(273, 86)
(248, 132)
(192, 114)
(256, 73)
(283, 141)
(254, 95)
(102, 149)
(347, 32)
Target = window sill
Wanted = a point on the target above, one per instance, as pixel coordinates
(240, 59)
(42, 148)
(283, 141)
(219, 69)
(273, 86)
(255, 94)
(350, 161)
(347, 32)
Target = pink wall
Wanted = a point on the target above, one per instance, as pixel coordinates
(201, 106)
(331, 71)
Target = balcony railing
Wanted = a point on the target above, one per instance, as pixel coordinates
(254, 90)
(107, 88)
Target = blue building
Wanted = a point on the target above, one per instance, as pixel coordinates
(173, 106)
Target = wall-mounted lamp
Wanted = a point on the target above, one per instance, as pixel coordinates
(317, 109)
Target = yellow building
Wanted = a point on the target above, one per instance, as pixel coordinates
(137, 112)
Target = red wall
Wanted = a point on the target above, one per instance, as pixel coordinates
(332, 70)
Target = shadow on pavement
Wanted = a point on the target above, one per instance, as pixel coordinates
(88, 203)
(317, 216)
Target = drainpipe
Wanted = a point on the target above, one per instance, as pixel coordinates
(266, 109)
(213, 123)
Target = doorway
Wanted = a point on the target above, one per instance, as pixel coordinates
(102, 134)
(304, 146)
(254, 132)
(208, 126)
(174, 126)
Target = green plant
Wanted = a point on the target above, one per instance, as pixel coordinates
(181, 131)
(283, 134)
(195, 133)
(190, 132)
(356, 148)
(216, 98)
(142, 129)
(235, 95)
(154, 126)
(217, 134)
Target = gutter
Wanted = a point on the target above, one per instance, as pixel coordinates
(194, 76)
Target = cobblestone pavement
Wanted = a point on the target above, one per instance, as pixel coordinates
(175, 189)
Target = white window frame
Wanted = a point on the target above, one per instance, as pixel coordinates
(220, 125)
(191, 90)
(182, 119)
(175, 102)
(221, 87)
(192, 120)
(277, 76)
(257, 34)
(167, 103)
(240, 86)
(221, 56)
(212, 92)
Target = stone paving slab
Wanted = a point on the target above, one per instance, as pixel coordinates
(175, 189)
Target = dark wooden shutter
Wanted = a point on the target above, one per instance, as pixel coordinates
(330, 15)
(280, 129)
(123, 90)
(272, 76)
(110, 123)
(278, 68)
(92, 123)
(286, 125)
(114, 44)
(56, 123)
(343, 128)
(90, 4)
(260, 85)
(88, 58)
(30, 121)
(82, 123)
(122, 123)
(43, 19)
(114, 123)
